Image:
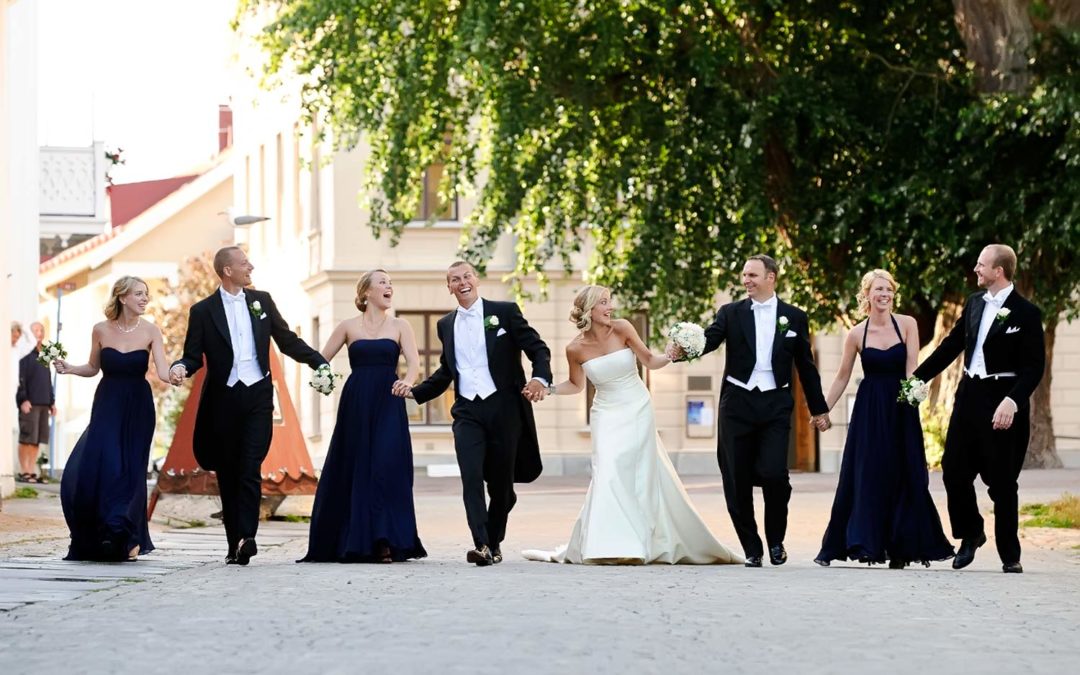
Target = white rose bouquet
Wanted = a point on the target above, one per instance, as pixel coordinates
(690, 337)
(51, 351)
(913, 391)
(324, 379)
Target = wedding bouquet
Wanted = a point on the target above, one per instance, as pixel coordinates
(913, 391)
(690, 337)
(323, 379)
(51, 351)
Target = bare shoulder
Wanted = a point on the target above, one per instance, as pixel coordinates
(856, 332)
(153, 329)
(623, 327)
(99, 328)
(574, 349)
(906, 321)
(402, 324)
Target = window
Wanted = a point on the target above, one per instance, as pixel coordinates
(430, 204)
(437, 411)
(641, 324)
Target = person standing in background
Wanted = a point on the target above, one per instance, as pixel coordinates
(37, 404)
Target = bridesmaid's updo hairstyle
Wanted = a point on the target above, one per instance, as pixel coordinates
(122, 287)
(581, 314)
(863, 296)
(363, 286)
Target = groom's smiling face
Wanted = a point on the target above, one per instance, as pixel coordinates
(463, 284)
(759, 283)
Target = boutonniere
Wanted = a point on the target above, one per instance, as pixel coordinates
(257, 310)
(491, 322)
(782, 322)
(1003, 314)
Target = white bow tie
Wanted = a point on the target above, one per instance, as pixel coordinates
(472, 311)
(761, 305)
(991, 300)
(239, 297)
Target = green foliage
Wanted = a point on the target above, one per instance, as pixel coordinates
(1063, 512)
(673, 138)
(935, 425)
(23, 492)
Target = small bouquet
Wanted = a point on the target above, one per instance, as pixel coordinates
(323, 380)
(690, 337)
(913, 391)
(51, 351)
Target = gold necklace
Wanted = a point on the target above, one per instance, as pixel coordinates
(372, 333)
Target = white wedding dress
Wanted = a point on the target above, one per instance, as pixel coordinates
(636, 510)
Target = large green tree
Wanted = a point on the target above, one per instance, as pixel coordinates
(677, 137)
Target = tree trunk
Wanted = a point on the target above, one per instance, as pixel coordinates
(943, 388)
(997, 34)
(1042, 448)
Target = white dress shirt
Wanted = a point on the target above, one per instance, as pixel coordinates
(245, 366)
(470, 353)
(990, 309)
(764, 333)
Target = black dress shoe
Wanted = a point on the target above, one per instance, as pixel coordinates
(496, 556)
(1012, 568)
(246, 551)
(753, 561)
(821, 561)
(897, 564)
(777, 554)
(481, 556)
(966, 554)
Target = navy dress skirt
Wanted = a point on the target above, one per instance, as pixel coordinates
(103, 489)
(883, 510)
(364, 502)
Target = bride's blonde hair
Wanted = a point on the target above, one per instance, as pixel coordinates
(863, 296)
(587, 297)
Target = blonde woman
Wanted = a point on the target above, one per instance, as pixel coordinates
(364, 505)
(103, 490)
(636, 510)
(882, 510)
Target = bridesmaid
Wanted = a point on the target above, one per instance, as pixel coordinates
(103, 489)
(364, 503)
(882, 510)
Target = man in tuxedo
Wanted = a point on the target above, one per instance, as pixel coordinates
(1001, 336)
(232, 329)
(494, 431)
(764, 336)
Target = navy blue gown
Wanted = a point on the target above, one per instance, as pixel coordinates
(883, 509)
(103, 489)
(364, 502)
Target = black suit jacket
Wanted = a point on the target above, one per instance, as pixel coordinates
(1014, 344)
(35, 381)
(208, 335)
(504, 363)
(735, 324)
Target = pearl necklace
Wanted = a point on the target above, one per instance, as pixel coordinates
(128, 330)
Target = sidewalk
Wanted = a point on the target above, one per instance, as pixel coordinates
(442, 615)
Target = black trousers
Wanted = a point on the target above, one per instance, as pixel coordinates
(244, 425)
(486, 436)
(973, 448)
(753, 450)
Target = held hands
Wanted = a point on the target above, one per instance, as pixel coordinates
(401, 389)
(821, 422)
(534, 391)
(1003, 416)
(177, 374)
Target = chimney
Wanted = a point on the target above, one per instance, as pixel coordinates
(225, 127)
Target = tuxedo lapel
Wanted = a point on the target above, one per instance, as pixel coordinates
(448, 339)
(217, 315)
(489, 335)
(746, 320)
(973, 321)
(998, 325)
(778, 333)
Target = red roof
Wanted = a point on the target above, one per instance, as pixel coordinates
(130, 199)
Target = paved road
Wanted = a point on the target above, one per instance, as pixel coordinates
(441, 615)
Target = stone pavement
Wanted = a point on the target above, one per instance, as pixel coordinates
(442, 615)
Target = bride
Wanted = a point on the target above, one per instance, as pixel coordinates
(636, 510)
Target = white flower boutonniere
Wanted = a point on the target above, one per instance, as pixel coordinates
(257, 310)
(782, 322)
(491, 322)
(1003, 314)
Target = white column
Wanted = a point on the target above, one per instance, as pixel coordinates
(21, 237)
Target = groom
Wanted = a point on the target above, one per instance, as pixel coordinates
(232, 328)
(494, 431)
(764, 336)
(1001, 336)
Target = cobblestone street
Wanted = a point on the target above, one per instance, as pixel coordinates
(181, 610)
